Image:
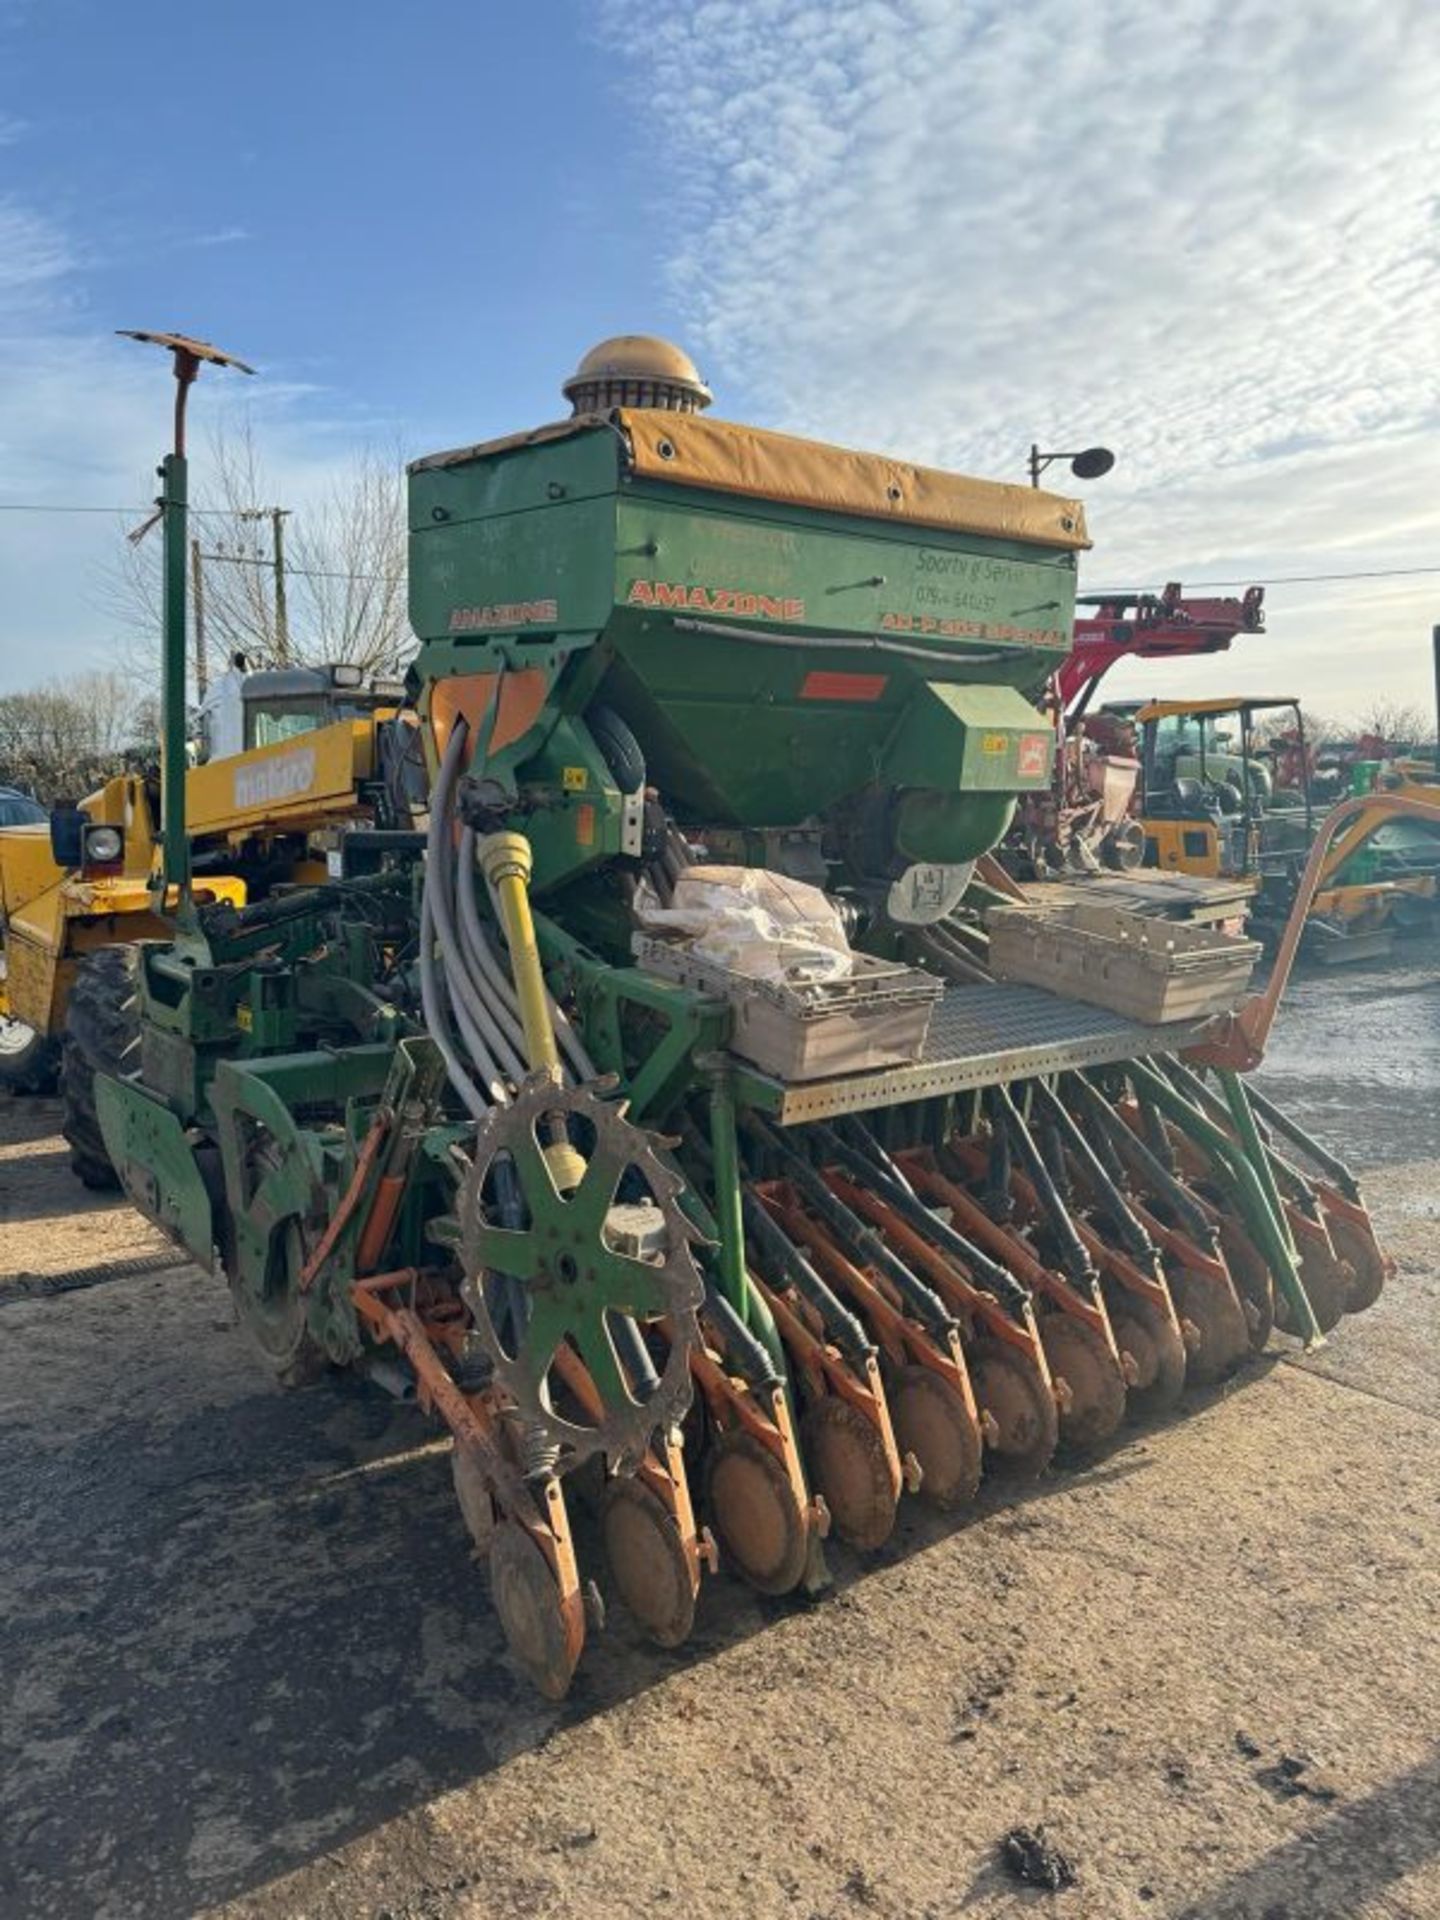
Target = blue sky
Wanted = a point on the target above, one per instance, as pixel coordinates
(1205, 234)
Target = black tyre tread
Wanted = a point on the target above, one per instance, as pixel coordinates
(102, 1035)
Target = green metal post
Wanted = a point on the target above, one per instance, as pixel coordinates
(174, 503)
(1241, 1113)
(1252, 1184)
(726, 1172)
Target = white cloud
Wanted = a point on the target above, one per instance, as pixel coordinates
(84, 417)
(1204, 233)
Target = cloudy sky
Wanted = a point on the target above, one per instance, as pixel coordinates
(1205, 234)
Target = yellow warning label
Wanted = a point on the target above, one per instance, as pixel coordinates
(244, 1018)
(994, 742)
(574, 779)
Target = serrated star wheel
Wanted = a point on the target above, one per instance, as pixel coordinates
(579, 1269)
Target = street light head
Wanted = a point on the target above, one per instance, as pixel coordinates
(1093, 463)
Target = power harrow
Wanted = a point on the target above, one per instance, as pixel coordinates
(432, 1110)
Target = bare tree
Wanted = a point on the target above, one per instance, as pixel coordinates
(1398, 722)
(1280, 721)
(337, 594)
(62, 740)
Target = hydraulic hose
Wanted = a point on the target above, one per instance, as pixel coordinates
(474, 1101)
(435, 930)
(478, 1028)
(506, 1039)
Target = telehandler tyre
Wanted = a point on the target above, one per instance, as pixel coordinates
(102, 1035)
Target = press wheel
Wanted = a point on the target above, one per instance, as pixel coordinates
(1015, 1395)
(473, 1494)
(647, 1561)
(932, 1421)
(1079, 1356)
(1253, 1282)
(757, 1517)
(1219, 1321)
(544, 1642)
(849, 1464)
(273, 1312)
(1153, 1342)
(1326, 1284)
(1357, 1250)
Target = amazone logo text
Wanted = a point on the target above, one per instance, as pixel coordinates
(673, 593)
(515, 613)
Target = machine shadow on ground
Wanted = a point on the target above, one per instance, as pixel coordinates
(241, 1627)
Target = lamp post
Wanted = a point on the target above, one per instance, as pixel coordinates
(1089, 464)
(187, 356)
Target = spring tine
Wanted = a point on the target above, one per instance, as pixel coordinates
(1288, 1176)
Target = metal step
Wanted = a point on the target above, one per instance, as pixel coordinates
(980, 1036)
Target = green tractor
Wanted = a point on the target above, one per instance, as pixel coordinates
(743, 1243)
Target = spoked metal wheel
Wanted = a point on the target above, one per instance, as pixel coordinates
(576, 1262)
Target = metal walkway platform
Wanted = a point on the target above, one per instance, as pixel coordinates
(979, 1036)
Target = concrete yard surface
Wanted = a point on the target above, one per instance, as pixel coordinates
(247, 1666)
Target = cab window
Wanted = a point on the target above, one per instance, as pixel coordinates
(266, 726)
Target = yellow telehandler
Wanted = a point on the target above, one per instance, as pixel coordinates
(285, 760)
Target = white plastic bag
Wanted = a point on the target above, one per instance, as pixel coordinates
(757, 923)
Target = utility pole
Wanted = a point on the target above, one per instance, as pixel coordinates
(277, 516)
(197, 594)
(282, 614)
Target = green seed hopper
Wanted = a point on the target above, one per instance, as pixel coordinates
(456, 1106)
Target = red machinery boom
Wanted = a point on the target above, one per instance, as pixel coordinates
(1149, 626)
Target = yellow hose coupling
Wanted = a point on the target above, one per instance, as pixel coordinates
(506, 856)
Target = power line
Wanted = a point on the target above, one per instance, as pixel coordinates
(1282, 580)
(36, 506)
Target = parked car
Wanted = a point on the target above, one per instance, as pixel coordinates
(19, 810)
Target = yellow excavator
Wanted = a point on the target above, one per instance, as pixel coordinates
(286, 760)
